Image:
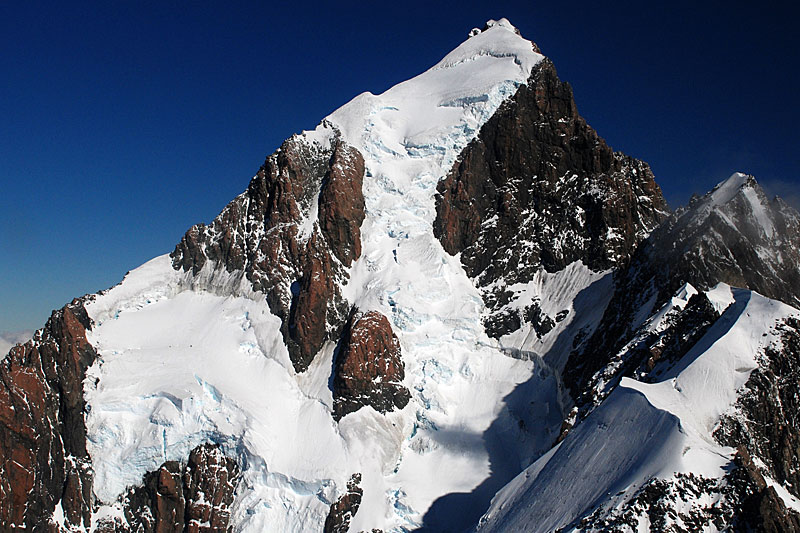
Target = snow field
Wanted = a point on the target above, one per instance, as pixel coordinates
(410, 137)
(190, 359)
(646, 430)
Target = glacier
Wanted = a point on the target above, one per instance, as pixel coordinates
(186, 359)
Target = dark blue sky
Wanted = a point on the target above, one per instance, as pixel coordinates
(124, 123)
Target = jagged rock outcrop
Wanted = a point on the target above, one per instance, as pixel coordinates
(369, 369)
(177, 498)
(345, 508)
(209, 482)
(760, 508)
(766, 418)
(658, 352)
(732, 235)
(741, 501)
(292, 233)
(648, 355)
(43, 458)
(538, 189)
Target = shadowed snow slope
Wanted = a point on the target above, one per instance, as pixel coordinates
(646, 430)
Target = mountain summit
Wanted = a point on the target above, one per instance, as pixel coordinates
(449, 306)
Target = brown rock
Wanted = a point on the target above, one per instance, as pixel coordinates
(43, 457)
(341, 204)
(195, 498)
(210, 482)
(169, 501)
(345, 508)
(369, 369)
(538, 188)
(260, 233)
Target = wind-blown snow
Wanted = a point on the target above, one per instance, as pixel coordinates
(189, 359)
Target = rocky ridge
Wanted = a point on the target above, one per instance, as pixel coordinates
(343, 509)
(293, 233)
(537, 190)
(45, 471)
(181, 498)
(540, 189)
(741, 501)
(732, 235)
(766, 418)
(43, 458)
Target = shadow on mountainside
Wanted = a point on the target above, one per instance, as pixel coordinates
(527, 426)
(460, 512)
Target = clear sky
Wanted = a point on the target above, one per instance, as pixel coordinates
(123, 123)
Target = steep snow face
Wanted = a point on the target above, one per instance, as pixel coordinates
(410, 136)
(186, 359)
(646, 430)
(180, 366)
(570, 301)
(740, 199)
(726, 190)
(435, 114)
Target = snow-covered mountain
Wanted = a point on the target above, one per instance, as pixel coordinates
(450, 306)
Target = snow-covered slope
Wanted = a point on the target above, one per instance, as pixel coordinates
(646, 431)
(436, 300)
(186, 359)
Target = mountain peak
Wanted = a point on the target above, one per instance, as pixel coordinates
(491, 23)
(735, 198)
(446, 277)
(726, 190)
(444, 106)
(502, 23)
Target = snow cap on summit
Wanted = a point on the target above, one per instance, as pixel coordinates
(502, 23)
(491, 23)
(469, 83)
(726, 190)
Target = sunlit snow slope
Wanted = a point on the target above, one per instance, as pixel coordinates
(187, 359)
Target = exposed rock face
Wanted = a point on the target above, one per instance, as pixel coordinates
(540, 189)
(194, 498)
(345, 508)
(660, 351)
(647, 356)
(209, 484)
(369, 369)
(43, 458)
(741, 501)
(293, 233)
(732, 235)
(766, 420)
(760, 507)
